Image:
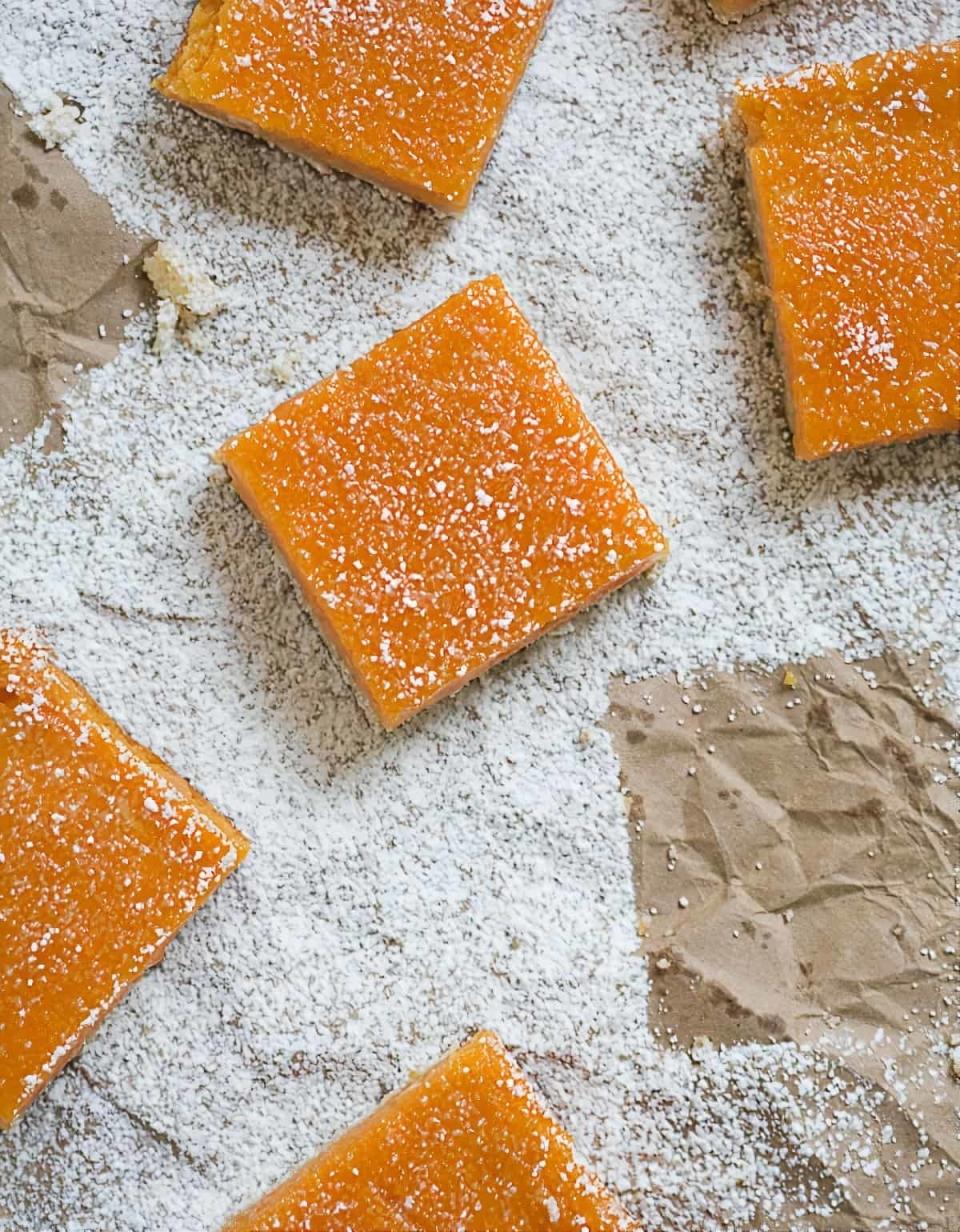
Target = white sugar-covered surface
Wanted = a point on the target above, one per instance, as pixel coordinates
(472, 868)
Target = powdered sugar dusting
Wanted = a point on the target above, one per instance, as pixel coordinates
(471, 869)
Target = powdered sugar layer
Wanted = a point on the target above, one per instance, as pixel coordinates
(471, 869)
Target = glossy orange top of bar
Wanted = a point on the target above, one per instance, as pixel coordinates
(856, 181)
(104, 854)
(467, 1147)
(408, 93)
(732, 10)
(443, 501)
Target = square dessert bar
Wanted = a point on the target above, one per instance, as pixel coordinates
(855, 176)
(104, 854)
(442, 501)
(467, 1146)
(407, 93)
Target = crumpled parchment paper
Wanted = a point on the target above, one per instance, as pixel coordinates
(62, 278)
(796, 845)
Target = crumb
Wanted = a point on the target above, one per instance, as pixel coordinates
(283, 367)
(167, 316)
(182, 279)
(186, 292)
(57, 123)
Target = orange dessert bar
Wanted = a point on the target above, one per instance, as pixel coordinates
(407, 93)
(442, 501)
(104, 854)
(855, 174)
(467, 1147)
(733, 10)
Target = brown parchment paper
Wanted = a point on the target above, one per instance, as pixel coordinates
(796, 852)
(62, 278)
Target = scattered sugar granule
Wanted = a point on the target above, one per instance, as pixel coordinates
(701, 1050)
